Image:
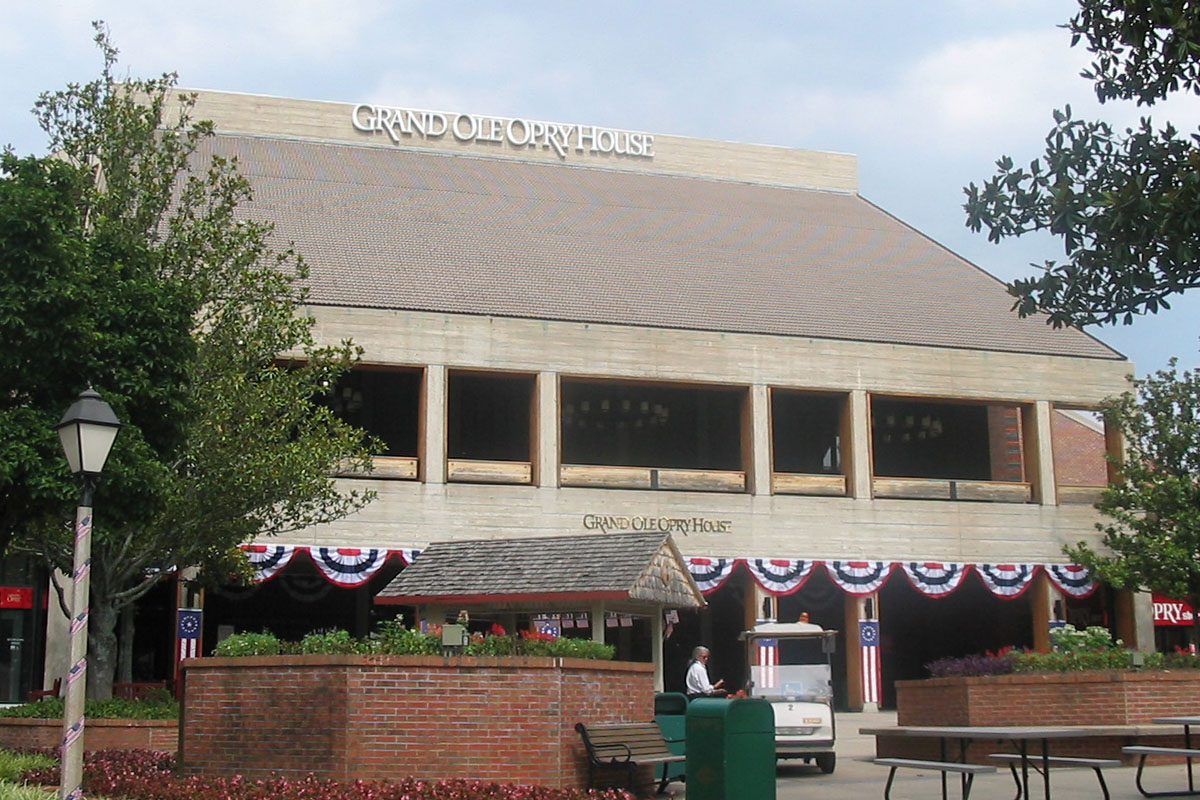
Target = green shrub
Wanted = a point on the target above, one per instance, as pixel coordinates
(249, 644)
(159, 704)
(394, 639)
(335, 642)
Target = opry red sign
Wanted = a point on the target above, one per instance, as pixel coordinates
(1171, 612)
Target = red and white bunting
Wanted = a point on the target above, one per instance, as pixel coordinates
(780, 576)
(268, 559)
(935, 579)
(859, 577)
(407, 555)
(1072, 579)
(710, 573)
(1007, 580)
(348, 566)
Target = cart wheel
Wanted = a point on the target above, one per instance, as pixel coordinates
(827, 761)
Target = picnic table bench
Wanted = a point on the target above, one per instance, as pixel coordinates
(625, 745)
(1096, 764)
(1179, 752)
(967, 771)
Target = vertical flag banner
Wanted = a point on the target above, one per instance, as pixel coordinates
(872, 677)
(767, 660)
(190, 626)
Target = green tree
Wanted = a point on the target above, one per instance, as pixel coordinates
(1153, 535)
(126, 264)
(1126, 204)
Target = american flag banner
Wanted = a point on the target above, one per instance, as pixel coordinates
(872, 677)
(189, 630)
(767, 659)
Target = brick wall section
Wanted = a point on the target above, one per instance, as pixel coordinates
(99, 734)
(346, 717)
(1082, 698)
(1078, 453)
(1004, 443)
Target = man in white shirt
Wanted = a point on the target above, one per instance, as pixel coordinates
(697, 681)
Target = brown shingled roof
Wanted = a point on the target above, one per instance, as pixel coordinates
(418, 230)
(630, 571)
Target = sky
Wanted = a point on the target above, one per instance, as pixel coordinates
(927, 94)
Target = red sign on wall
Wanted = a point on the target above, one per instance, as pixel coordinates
(1170, 612)
(16, 597)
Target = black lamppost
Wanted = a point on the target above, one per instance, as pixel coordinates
(87, 432)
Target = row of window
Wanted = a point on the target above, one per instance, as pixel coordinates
(629, 424)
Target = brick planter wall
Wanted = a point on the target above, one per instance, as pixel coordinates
(509, 720)
(1066, 698)
(1124, 701)
(99, 734)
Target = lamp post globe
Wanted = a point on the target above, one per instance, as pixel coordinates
(87, 431)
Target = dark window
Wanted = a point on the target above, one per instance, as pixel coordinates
(384, 403)
(621, 424)
(913, 439)
(805, 432)
(489, 417)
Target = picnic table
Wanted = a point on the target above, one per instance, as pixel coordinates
(1187, 752)
(1031, 742)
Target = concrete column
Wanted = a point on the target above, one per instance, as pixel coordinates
(856, 445)
(858, 609)
(548, 454)
(1037, 424)
(1041, 605)
(433, 424)
(1134, 613)
(760, 439)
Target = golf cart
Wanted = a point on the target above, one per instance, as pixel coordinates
(789, 665)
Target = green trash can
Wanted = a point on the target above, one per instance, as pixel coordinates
(670, 712)
(730, 749)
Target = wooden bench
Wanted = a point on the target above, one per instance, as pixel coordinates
(1014, 760)
(967, 771)
(1178, 752)
(625, 745)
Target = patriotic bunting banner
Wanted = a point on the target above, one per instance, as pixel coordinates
(935, 579)
(348, 566)
(268, 560)
(859, 577)
(1072, 579)
(710, 573)
(1007, 580)
(780, 575)
(407, 556)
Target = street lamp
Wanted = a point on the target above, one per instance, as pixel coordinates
(87, 432)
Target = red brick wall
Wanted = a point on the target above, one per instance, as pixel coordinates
(509, 720)
(98, 734)
(1004, 443)
(1080, 698)
(1078, 453)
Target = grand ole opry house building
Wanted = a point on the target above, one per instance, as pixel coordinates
(577, 331)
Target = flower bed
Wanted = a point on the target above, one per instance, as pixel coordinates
(141, 775)
(347, 717)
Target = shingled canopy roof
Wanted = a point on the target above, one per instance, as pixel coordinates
(424, 231)
(633, 573)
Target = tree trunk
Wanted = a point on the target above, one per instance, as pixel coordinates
(102, 648)
(125, 645)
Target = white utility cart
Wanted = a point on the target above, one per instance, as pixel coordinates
(790, 666)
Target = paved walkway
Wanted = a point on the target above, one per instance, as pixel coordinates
(856, 778)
